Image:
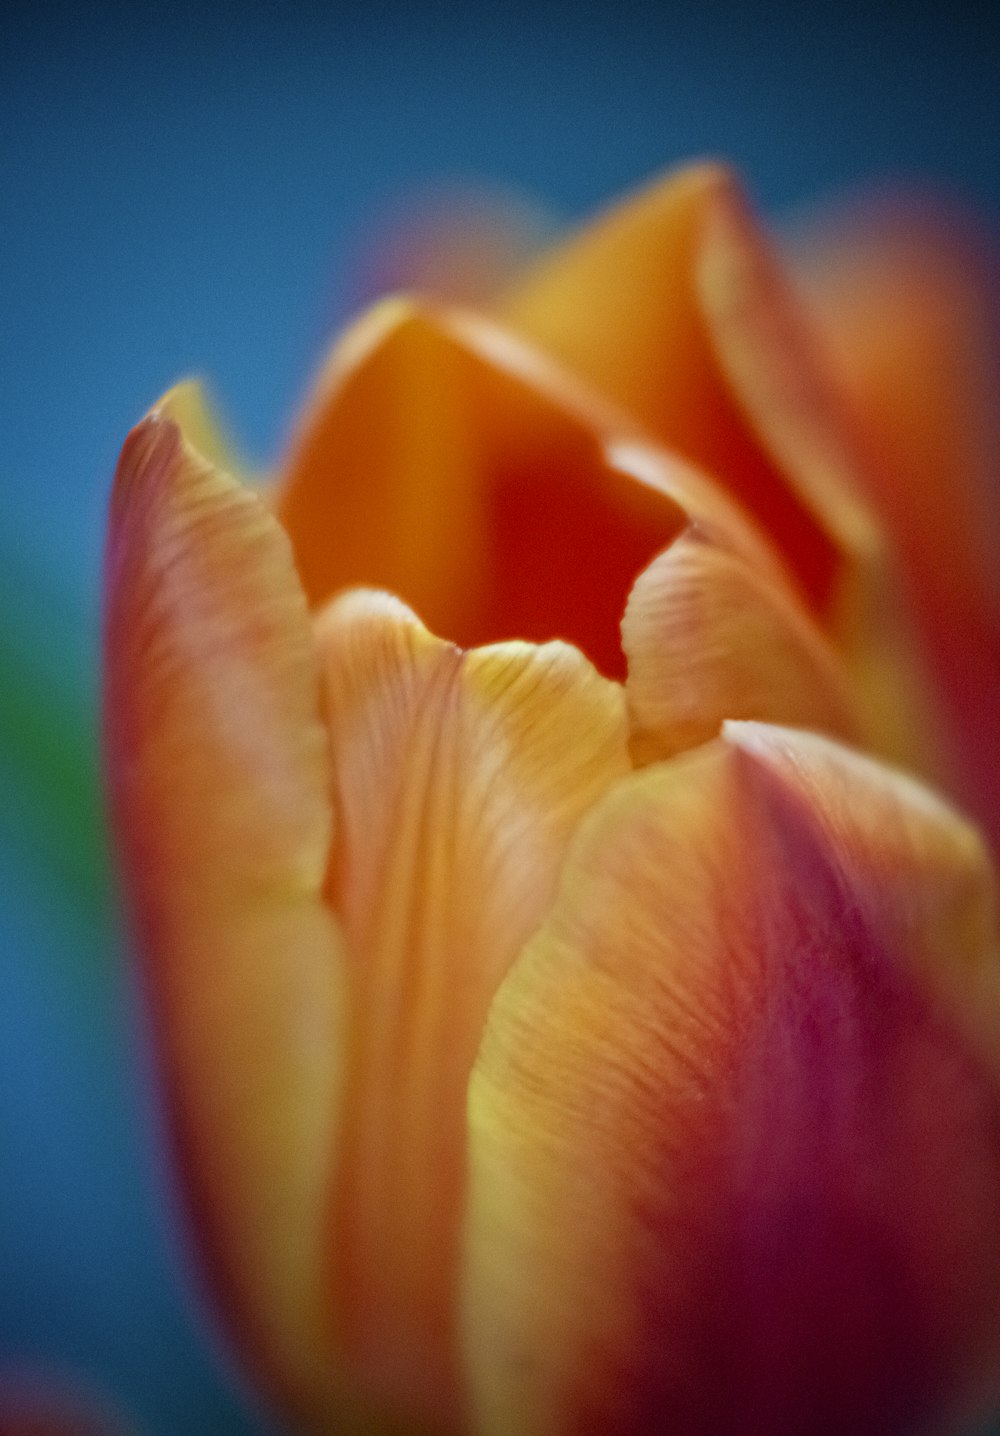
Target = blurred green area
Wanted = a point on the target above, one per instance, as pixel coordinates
(53, 815)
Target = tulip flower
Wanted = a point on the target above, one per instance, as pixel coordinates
(574, 1013)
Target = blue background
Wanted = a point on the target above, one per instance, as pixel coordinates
(188, 190)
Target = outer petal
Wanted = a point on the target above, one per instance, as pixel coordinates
(908, 297)
(458, 778)
(708, 638)
(218, 765)
(673, 306)
(445, 461)
(735, 1126)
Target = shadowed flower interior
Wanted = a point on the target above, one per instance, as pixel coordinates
(563, 1031)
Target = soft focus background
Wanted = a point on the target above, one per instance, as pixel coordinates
(194, 189)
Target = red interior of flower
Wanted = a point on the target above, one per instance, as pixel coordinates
(476, 491)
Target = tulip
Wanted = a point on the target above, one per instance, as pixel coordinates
(579, 1021)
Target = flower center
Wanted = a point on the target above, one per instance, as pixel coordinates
(451, 466)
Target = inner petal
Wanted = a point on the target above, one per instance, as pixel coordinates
(444, 461)
(674, 305)
(458, 778)
(649, 303)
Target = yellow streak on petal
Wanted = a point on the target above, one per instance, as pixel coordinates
(735, 1122)
(189, 406)
(458, 778)
(707, 638)
(218, 767)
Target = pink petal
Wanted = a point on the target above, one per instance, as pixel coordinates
(735, 1124)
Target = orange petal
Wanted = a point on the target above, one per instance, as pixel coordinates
(219, 771)
(907, 295)
(708, 638)
(735, 1125)
(673, 306)
(446, 462)
(458, 779)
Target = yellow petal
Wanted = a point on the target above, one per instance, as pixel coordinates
(189, 407)
(446, 462)
(458, 778)
(735, 1124)
(673, 306)
(219, 777)
(707, 637)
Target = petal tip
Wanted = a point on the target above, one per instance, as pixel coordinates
(383, 324)
(147, 456)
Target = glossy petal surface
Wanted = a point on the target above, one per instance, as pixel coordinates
(219, 774)
(458, 779)
(736, 1120)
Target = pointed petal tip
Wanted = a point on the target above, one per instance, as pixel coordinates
(876, 816)
(414, 319)
(798, 753)
(217, 763)
(148, 458)
(701, 180)
(187, 396)
(774, 359)
(180, 427)
(382, 324)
